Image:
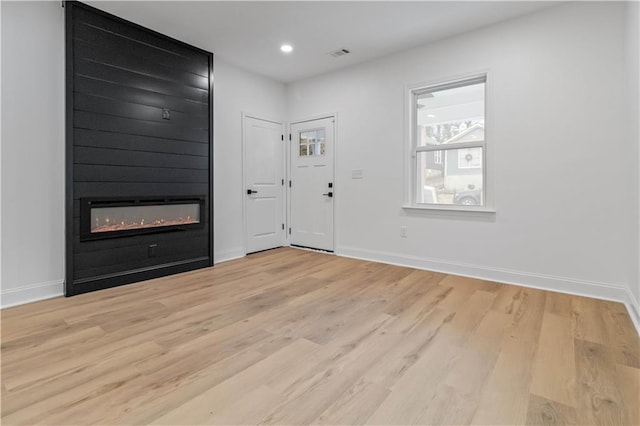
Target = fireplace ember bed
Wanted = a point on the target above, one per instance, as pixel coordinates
(109, 218)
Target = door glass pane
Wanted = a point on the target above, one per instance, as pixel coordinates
(452, 176)
(312, 143)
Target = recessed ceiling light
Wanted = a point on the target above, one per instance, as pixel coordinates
(286, 48)
(431, 116)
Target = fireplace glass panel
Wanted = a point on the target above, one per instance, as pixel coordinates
(110, 219)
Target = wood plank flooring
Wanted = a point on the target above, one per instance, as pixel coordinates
(295, 337)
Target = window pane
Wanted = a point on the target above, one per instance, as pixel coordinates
(450, 181)
(312, 142)
(450, 116)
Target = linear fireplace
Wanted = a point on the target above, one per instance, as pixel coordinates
(117, 217)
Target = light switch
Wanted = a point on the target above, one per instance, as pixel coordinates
(357, 174)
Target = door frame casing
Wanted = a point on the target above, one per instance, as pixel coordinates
(243, 148)
(334, 116)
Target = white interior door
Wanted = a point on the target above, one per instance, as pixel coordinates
(264, 184)
(312, 190)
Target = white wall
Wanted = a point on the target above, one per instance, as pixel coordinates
(633, 68)
(33, 144)
(236, 91)
(32, 150)
(0, 155)
(556, 142)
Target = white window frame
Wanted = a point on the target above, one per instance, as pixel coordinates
(412, 149)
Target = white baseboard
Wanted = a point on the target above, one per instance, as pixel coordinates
(31, 293)
(224, 256)
(525, 279)
(634, 309)
(35, 292)
(51, 289)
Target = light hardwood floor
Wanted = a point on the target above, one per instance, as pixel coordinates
(295, 337)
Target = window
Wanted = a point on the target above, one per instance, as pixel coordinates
(470, 158)
(311, 143)
(448, 144)
(437, 157)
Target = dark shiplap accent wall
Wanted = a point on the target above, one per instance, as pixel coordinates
(120, 77)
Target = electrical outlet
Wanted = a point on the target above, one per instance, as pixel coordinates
(403, 232)
(357, 174)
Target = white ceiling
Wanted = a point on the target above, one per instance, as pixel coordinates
(249, 34)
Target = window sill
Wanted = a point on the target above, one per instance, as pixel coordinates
(449, 208)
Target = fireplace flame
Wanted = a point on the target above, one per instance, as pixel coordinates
(123, 218)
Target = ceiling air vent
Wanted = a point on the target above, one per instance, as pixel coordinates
(339, 52)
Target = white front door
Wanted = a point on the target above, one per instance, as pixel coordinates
(312, 190)
(263, 148)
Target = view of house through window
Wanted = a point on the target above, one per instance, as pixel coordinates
(449, 143)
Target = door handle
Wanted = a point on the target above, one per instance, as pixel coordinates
(251, 191)
(328, 194)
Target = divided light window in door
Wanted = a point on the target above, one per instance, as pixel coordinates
(312, 143)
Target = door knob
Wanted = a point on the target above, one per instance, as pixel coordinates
(328, 194)
(251, 191)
